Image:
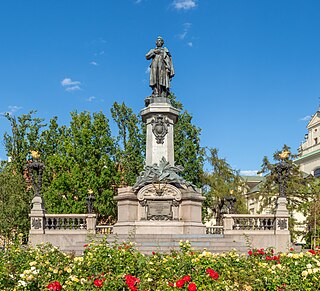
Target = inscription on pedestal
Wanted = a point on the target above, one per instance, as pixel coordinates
(159, 210)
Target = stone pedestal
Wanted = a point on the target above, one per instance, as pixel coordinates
(159, 209)
(159, 116)
(161, 201)
(37, 216)
(282, 225)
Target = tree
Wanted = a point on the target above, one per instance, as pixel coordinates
(221, 183)
(130, 143)
(82, 158)
(14, 203)
(25, 136)
(187, 150)
(297, 189)
(311, 210)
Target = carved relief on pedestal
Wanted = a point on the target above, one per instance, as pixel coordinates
(160, 201)
(160, 125)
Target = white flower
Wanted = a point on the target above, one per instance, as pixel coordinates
(309, 266)
(304, 273)
(22, 283)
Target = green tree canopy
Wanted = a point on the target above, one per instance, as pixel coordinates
(187, 150)
(220, 183)
(130, 143)
(14, 203)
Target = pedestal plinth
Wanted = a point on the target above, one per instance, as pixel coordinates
(159, 116)
(159, 209)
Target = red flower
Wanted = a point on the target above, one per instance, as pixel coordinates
(186, 278)
(312, 252)
(98, 283)
(213, 274)
(180, 283)
(85, 245)
(192, 287)
(55, 286)
(131, 281)
(250, 252)
(170, 284)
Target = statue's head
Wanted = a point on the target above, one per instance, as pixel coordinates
(159, 41)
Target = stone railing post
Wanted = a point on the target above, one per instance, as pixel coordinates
(282, 232)
(91, 223)
(37, 216)
(227, 223)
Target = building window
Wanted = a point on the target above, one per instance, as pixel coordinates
(316, 172)
(316, 140)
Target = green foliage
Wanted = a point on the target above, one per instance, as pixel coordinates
(297, 189)
(311, 210)
(25, 136)
(219, 183)
(130, 144)
(14, 204)
(119, 266)
(187, 150)
(83, 155)
(79, 158)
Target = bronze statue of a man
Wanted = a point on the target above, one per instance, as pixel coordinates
(161, 69)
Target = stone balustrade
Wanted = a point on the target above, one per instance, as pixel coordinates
(69, 230)
(65, 221)
(104, 229)
(249, 222)
(216, 229)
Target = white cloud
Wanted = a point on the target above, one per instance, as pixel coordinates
(306, 118)
(137, 1)
(249, 172)
(69, 82)
(70, 85)
(190, 44)
(186, 27)
(184, 4)
(101, 40)
(91, 98)
(73, 88)
(94, 63)
(12, 109)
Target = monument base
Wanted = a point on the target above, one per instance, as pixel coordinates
(150, 211)
(158, 227)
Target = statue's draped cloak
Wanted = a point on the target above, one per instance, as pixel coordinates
(161, 68)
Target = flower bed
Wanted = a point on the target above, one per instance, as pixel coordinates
(120, 267)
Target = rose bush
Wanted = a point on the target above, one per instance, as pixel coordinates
(119, 266)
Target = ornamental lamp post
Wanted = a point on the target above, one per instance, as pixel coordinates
(283, 170)
(35, 169)
(90, 200)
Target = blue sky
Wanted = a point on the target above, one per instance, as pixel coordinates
(248, 71)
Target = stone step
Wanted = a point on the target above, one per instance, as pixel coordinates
(165, 243)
